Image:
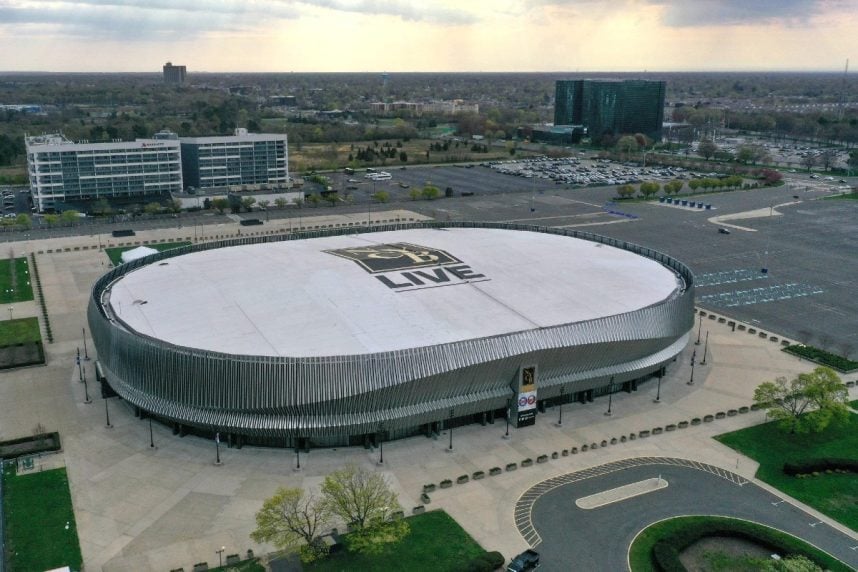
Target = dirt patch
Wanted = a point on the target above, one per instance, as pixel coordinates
(732, 553)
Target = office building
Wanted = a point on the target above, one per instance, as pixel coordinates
(174, 75)
(62, 171)
(240, 159)
(611, 107)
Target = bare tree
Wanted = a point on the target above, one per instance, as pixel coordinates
(290, 517)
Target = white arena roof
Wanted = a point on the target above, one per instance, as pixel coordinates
(383, 291)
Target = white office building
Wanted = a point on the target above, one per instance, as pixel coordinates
(63, 171)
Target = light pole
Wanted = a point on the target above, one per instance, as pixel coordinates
(450, 448)
(107, 424)
(86, 400)
(79, 367)
(381, 444)
(508, 405)
(297, 453)
(560, 416)
(85, 353)
(658, 391)
(220, 556)
(705, 349)
(610, 396)
(699, 328)
(693, 355)
(151, 437)
(217, 448)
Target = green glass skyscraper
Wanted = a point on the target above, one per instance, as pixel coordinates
(611, 107)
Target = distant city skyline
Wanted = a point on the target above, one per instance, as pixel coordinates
(426, 35)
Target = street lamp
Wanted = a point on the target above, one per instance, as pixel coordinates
(107, 424)
(85, 353)
(151, 437)
(450, 448)
(508, 406)
(693, 355)
(381, 444)
(217, 448)
(658, 391)
(705, 349)
(610, 396)
(86, 400)
(220, 556)
(560, 416)
(297, 453)
(79, 367)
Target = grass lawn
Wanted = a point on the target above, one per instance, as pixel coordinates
(243, 566)
(115, 253)
(38, 507)
(640, 553)
(436, 543)
(19, 331)
(835, 495)
(15, 281)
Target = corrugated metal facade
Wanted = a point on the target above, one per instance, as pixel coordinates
(332, 399)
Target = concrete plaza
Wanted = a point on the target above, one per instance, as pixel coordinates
(140, 508)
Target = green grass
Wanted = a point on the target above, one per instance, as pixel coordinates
(845, 196)
(243, 566)
(854, 404)
(835, 495)
(640, 553)
(37, 507)
(22, 290)
(436, 543)
(823, 357)
(115, 253)
(19, 331)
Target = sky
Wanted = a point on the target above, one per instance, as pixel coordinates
(428, 35)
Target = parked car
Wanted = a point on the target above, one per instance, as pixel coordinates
(723, 231)
(524, 562)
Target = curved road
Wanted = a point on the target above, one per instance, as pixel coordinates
(570, 538)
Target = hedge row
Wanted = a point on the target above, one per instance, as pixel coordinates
(823, 357)
(809, 466)
(486, 562)
(38, 283)
(665, 552)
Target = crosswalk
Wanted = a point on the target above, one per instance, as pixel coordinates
(524, 505)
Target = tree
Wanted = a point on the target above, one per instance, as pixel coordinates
(70, 216)
(430, 192)
(332, 197)
(280, 203)
(247, 203)
(220, 204)
(364, 499)
(751, 154)
(625, 191)
(626, 144)
(827, 158)
(152, 208)
(290, 517)
(808, 402)
(23, 220)
(175, 206)
(809, 161)
(707, 149)
(403, 156)
(314, 199)
(298, 202)
(359, 496)
(264, 204)
(381, 196)
(853, 160)
(649, 188)
(52, 219)
(414, 194)
(673, 187)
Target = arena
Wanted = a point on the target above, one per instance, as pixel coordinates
(350, 335)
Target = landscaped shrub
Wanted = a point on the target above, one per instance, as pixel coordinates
(708, 418)
(542, 459)
(720, 415)
(684, 424)
(478, 475)
(554, 455)
(574, 450)
(613, 440)
(644, 433)
(670, 427)
(604, 443)
(495, 471)
(810, 466)
(593, 446)
(429, 488)
(446, 484)
(657, 430)
(565, 452)
(462, 479)
(665, 552)
(731, 412)
(424, 498)
(585, 448)
(486, 562)
(623, 439)
(744, 409)
(511, 466)
(823, 357)
(527, 462)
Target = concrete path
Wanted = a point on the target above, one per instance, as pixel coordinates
(140, 509)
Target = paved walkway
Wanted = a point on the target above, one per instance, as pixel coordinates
(142, 509)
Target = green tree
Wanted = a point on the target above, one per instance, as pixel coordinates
(707, 149)
(381, 196)
(853, 160)
(52, 219)
(808, 402)
(430, 192)
(414, 194)
(264, 204)
(292, 517)
(694, 184)
(627, 144)
(23, 220)
(403, 156)
(220, 204)
(298, 202)
(649, 188)
(625, 191)
(101, 207)
(332, 197)
(175, 206)
(152, 208)
(280, 203)
(364, 500)
(314, 199)
(70, 217)
(673, 187)
(247, 203)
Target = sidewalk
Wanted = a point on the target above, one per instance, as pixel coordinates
(142, 509)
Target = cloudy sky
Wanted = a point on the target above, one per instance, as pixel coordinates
(428, 35)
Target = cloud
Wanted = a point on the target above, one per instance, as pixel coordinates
(688, 13)
(183, 19)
